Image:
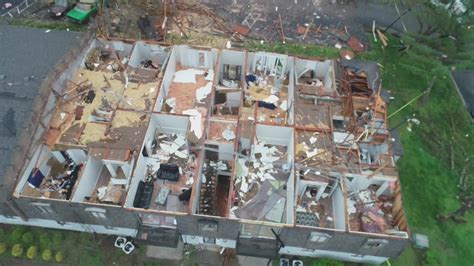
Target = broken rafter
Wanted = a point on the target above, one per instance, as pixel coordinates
(378, 170)
(382, 37)
(180, 28)
(307, 30)
(280, 29)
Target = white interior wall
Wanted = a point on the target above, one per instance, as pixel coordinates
(39, 159)
(250, 58)
(268, 62)
(88, 179)
(163, 123)
(122, 48)
(94, 43)
(339, 209)
(245, 143)
(233, 99)
(275, 135)
(59, 157)
(229, 57)
(323, 69)
(215, 55)
(290, 198)
(226, 151)
(167, 79)
(328, 77)
(303, 184)
(77, 155)
(143, 51)
(197, 186)
(189, 57)
(291, 90)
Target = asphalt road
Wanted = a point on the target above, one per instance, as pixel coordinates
(4, 10)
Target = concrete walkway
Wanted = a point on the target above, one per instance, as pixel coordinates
(164, 253)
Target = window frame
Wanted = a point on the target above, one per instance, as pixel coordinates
(318, 237)
(375, 243)
(43, 208)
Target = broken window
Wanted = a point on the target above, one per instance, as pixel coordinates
(96, 213)
(258, 230)
(232, 72)
(43, 207)
(202, 59)
(317, 237)
(209, 240)
(207, 226)
(373, 243)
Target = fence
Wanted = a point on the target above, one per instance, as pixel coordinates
(17, 10)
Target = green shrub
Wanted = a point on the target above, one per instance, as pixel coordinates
(2, 234)
(45, 241)
(17, 234)
(3, 248)
(57, 239)
(27, 238)
(327, 262)
(17, 250)
(32, 252)
(47, 255)
(59, 257)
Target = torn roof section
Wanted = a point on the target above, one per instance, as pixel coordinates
(106, 102)
(370, 68)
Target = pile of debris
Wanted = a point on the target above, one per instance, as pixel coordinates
(374, 214)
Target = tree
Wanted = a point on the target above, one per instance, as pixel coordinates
(59, 257)
(47, 254)
(45, 240)
(17, 250)
(17, 234)
(27, 238)
(32, 252)
(3, 248)
(57, 239)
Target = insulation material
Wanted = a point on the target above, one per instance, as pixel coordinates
(228, 135)
(203, 92)
(187, 75)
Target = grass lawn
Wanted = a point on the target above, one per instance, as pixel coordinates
(47, 24)
(77, 248)
(429, 185)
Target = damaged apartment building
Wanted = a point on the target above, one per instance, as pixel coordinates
(264, 153)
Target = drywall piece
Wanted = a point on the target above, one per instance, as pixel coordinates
(284, 105)
(187, 75)
(242, 170)
(203, 92)
(118, 181)
(196, 121)
(228, 135)
(111, 169)
(171, 102)
(271, 99)
(210, 75)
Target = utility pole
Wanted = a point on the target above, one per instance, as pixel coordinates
(395, 21)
